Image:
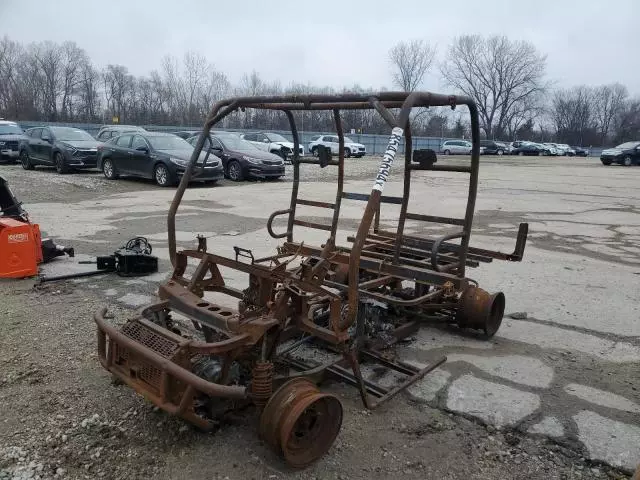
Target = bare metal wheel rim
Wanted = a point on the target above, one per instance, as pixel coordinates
(108, 168)
(161, 175)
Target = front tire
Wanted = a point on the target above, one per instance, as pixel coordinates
(162, 175)
(314, 151)
(61, 168)
(627, 161)
(347, 152)
(25, 161)
(606, 163)
(447, 152)
(234, 171)
(500, 153)
(521, 154)
(109, 169)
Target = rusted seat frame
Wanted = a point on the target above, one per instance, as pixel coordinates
(445, 268)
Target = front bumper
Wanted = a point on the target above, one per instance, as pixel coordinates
(10, 154)
(208, 174)
(265, 171)
(82, 159)
(611, 158)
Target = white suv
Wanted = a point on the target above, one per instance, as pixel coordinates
(453, 147)
(272, 143)
(351, 148)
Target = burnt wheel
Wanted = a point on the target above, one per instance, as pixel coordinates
(300, 422)
(480, 310)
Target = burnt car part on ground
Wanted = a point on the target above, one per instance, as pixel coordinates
(354, 301)
(133, 259)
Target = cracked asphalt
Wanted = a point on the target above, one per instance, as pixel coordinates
(563, 370)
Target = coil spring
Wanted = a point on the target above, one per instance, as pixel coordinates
(262, 383)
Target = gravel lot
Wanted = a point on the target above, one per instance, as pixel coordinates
(553, 396)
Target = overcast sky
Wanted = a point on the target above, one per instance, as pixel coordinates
(331, 42)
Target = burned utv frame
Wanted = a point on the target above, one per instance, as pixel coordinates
(324, 294)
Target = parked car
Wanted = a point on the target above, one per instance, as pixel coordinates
(108, 131)
(565, 149)
(527, 148)
(551, 149)
(453, 147)
(492, 147)
(272, 143)
(351, 148)
(185, 134)
(162, 157)
(581, 151)
(64, 148)
(626, 154)
(242, 159)
(11, 136)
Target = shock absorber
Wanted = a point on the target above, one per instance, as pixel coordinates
(262, 383)
(262, 378)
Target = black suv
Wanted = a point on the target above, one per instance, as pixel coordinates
(492, 147)
(11, 136)
(241, 159)
(65, 148)
(162, 157)
(626, 154)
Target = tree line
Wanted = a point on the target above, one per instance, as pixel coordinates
(49, 81)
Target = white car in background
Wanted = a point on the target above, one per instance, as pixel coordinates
(552, 148)
(456, 147)
(565, 149)
(351, 148)
(272, 143)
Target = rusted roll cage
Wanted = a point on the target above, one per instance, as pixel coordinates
(314, 291)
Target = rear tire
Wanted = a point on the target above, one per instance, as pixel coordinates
(162, 175)
(347, 152)
(25, 161)
(627, 161)
(500, 153)
(234, 171)
(521, 154)
(109, 169)
(61, 168)
(314, 151)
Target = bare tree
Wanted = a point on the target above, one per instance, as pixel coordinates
(117, 84)
(410, 62)
(88, 96)
(499, 74)
(627, 121)
(73, 60)
(608, 102)
(573, 115)
(48, 57)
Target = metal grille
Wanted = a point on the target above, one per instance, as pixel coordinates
(150, 374)
(150, 339)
